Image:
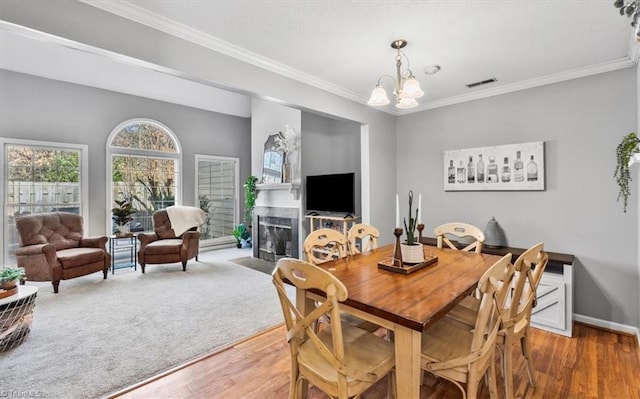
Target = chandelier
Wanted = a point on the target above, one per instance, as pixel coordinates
(406, 86)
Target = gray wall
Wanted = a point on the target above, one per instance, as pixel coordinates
(34, 108)
(581, 121)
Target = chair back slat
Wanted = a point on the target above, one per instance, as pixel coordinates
(459, 230)
(323, 245)
(366, 234)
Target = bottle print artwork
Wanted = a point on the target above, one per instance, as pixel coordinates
(506, 171)
(532, 170)
(462, 173)
(518, 169)
(451, 172)
(480, 170)
(492, 171)
(470, 170)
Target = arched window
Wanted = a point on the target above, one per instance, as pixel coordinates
(144, 159)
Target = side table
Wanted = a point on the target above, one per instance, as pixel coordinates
(127, 245)
(16, 315)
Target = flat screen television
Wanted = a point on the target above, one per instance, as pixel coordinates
(331, 193)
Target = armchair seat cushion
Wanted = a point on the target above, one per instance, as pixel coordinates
(76, 257)
(164, 247)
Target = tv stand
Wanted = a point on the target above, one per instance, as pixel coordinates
(342, 224)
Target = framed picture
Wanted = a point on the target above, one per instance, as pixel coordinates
(502, 167)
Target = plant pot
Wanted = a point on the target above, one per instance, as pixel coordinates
(238, 244)
(8, 284)
(123, 230)
(412, 254)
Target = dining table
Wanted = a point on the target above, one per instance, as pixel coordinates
(406, 304)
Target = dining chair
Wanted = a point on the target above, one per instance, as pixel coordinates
(459, 230)
(323, 245)
(341, 360)
(515, 316)
(366, 234)
(462, 355)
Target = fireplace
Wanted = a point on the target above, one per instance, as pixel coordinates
(277, 233)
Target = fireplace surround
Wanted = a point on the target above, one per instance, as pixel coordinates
(276, 235)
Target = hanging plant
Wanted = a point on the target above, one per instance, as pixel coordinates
(631, 9)
(629, 146)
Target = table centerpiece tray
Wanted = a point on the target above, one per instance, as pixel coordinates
(9, 292)
(390, 264)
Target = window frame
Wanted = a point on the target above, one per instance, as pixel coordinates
(4, 170)
(236, 212)
(114, 150)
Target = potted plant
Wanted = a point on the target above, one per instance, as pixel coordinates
(121, 215)
(412, 251)
(628, 148)
(9, 277)
(240, 233)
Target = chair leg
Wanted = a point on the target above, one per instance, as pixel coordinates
(493, 384)
(184, 266)
(105, 272)
(55, 284)
(526, 347)
(142, 265)
(507, 370)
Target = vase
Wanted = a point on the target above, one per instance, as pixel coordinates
(8, 284)
(123, 230)
(412, 254)
(286, 170)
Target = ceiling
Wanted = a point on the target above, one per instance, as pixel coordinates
(344, 46)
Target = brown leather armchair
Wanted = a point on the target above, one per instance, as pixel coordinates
(52, 248)
(163, 246)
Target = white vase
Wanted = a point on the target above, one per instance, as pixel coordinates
(123, 230)
(412, 253)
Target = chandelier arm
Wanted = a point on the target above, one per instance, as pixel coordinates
(386, 76)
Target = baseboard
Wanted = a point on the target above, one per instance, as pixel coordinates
(609, 325)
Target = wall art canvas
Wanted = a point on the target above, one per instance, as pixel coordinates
(502, 167)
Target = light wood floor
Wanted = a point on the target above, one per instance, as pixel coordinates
(594, 364)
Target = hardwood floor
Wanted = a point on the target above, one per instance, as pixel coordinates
(594, 364)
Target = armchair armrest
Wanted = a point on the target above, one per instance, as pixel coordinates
(146, 238)
(94, 242)
(39, 261)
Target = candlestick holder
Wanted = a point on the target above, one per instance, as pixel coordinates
(397, 255)
(420, 227)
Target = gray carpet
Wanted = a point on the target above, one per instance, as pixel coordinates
(257, 264)
(99, 336)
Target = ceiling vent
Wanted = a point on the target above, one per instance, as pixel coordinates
(484, 82)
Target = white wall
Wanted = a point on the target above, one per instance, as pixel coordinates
(581, 121)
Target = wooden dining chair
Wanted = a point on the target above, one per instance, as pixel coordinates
(462, 355)
(365, 234)
(323, 245)
(459, 230)
(341, 360)
(515, 315)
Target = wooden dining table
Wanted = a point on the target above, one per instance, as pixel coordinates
(407, 304)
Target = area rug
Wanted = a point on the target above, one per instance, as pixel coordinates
(257, 264)
(99, 336)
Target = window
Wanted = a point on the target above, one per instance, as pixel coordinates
(144, 168)
(217, 193)
(40, 177)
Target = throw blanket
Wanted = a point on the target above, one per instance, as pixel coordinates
(183, 218)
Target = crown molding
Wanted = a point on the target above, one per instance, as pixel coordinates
(595, 69)
(159, 22)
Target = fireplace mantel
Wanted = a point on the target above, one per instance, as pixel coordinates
(293, 188)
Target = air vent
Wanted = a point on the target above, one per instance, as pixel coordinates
(484, 82)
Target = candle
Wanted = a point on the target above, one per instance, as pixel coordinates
(397, 211)
(420, 208)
